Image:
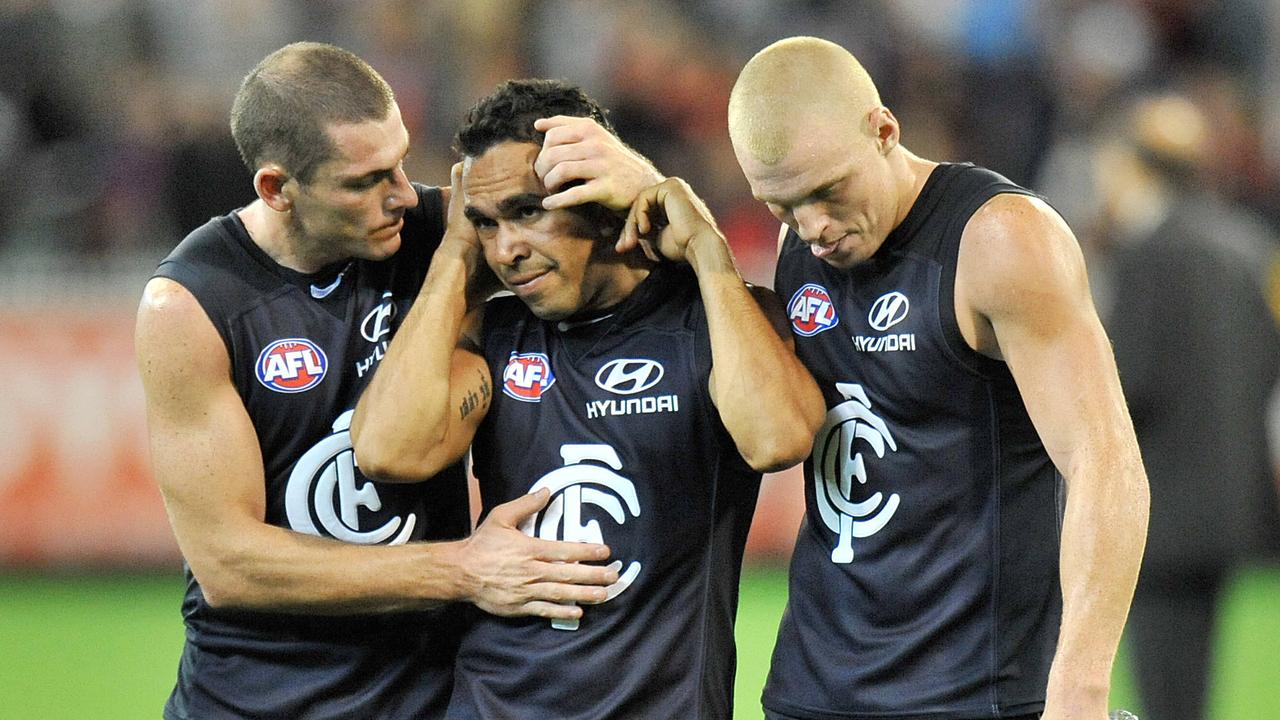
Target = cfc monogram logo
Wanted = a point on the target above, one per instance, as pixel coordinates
(577, 485)
(837, 461)
(325, 493)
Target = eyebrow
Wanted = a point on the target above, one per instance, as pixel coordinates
(508, 206)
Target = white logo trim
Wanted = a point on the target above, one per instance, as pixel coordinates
(888, 310)
(575, 485)
(378, 322)
(641, 374)
(836, 464)
(327, 472)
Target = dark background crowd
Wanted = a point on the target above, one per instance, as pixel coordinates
(113, 113)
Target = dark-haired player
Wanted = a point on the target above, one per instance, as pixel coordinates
(645, 390)
(309, 593)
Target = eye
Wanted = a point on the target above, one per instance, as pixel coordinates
(528, 212)
(483, 223)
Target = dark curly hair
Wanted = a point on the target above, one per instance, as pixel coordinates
(508, 113)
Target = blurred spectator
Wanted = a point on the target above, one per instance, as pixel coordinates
(1198, 351)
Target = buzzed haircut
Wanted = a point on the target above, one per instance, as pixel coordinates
(508, 114)
(794, 78)
(286, 103)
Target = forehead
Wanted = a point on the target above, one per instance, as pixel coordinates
(503, 171)
(820, 153)
(367, 146)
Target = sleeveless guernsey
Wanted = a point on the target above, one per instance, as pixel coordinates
(615, 419)
(302, 347)
(924, 582)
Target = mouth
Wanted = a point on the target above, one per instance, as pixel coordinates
(823, 250)
(523, 283)
(391, 228)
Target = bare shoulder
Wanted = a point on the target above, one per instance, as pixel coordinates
(1017, 249)
(174, 336)
(1019, 263)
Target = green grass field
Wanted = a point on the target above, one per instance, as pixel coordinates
(105, 647)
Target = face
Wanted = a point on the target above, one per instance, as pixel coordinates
(353, 206)
(834, 189)
(556, 261)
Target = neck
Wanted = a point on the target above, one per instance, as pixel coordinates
(274, 233)
(912, 171)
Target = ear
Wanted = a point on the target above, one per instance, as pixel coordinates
(270, 183)
(884, 126)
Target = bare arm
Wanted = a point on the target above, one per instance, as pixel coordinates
(208, 465)
(414, 420)
(772, 422)
(1022, 295)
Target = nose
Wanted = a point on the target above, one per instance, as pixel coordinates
(506, 246)
(811, 222)
(402, 195)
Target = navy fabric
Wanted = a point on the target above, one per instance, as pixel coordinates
(302, 347)
(615, 418)
(924, 581)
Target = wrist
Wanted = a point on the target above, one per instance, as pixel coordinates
(707, 251)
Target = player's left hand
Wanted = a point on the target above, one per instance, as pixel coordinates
(667, 220)
(581, 162)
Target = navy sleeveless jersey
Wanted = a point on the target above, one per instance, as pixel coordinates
(302, 347)
(615, 419)
(924, 581)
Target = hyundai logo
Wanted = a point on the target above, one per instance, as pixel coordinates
(627, 376)
(888, 310)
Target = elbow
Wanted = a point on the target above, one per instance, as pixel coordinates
(779, 452)
(388, 462)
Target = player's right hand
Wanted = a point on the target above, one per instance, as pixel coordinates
(509, 573)
(461, 236)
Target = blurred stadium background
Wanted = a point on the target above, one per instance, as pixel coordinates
(114, 143)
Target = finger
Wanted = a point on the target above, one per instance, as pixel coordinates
(539, 608)
(570, 197)
(580, 574)
(649, 251)
(630, 235)
(562, 593)
(547, 124)
(512, 513)
(561, 551)
(570, 170)
(552, 155)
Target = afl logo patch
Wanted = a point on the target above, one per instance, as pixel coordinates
(292, 365)
(527, 377)
(888, 310)
(811, 311)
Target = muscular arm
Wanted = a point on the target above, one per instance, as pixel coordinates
(767, 400)
(414, 420)
(208, 465)
(1022, 295)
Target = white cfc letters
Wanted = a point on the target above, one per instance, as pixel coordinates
(577, 484)
(324, 480)
(837, 461)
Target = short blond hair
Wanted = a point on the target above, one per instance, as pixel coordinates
(791, 81)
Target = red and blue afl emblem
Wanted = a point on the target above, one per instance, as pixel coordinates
(527, 377)
(292, 365)
(811, 311)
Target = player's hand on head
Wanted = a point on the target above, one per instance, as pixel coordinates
(581, 162)
(510, 573)
(665, 219)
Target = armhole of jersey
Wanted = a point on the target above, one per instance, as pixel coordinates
(421, 239)
(189, 278)
(971, 359)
